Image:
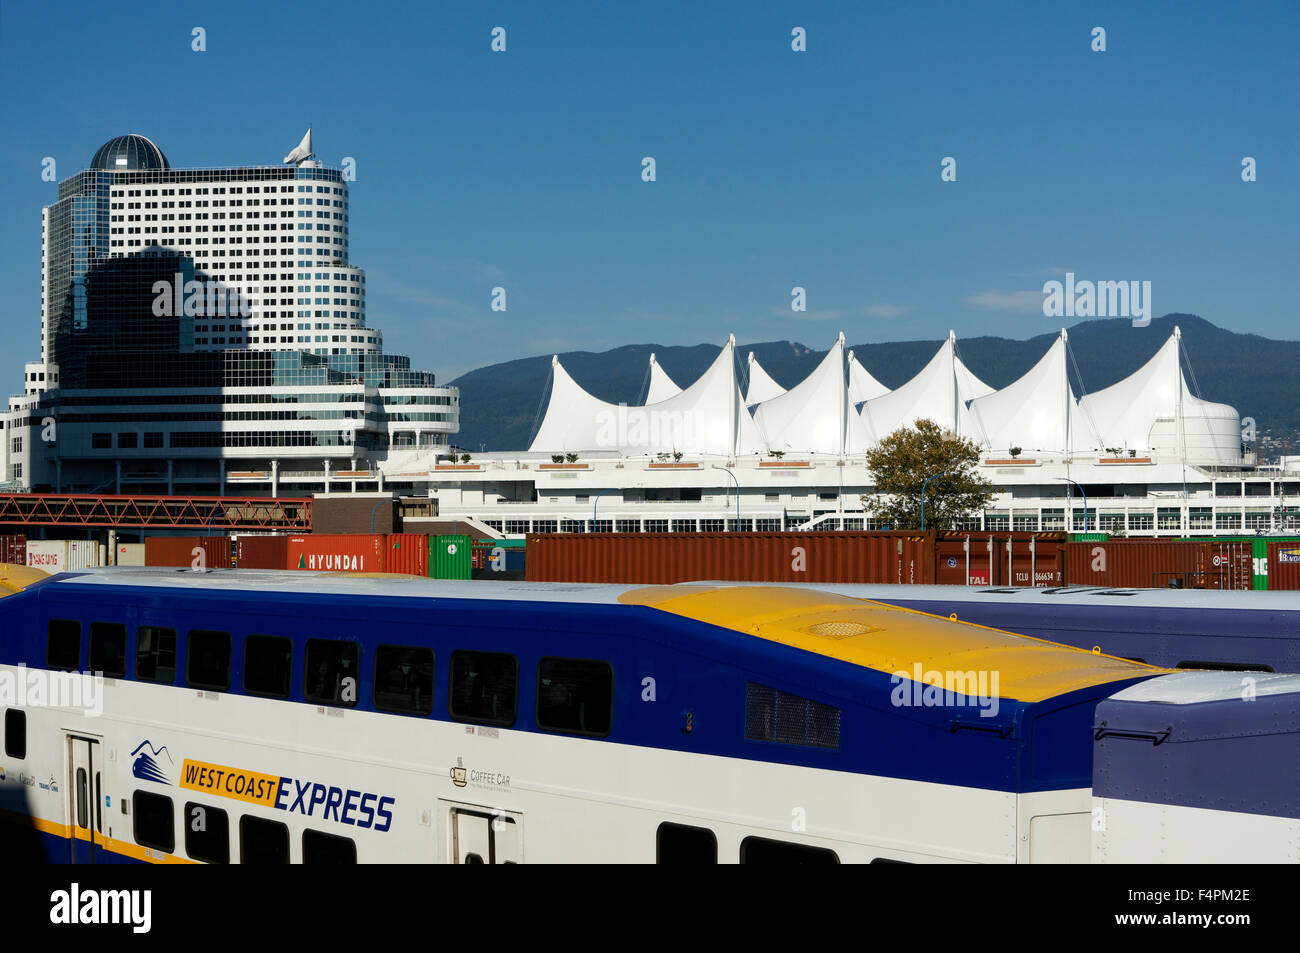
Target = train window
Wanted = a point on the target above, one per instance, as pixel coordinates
(575, 696)
(83, 797)
(63, 645)
(774, 715)
(484, 686)
(1226, 666)
(154, 825)
(262, 842)
(761, 850)
(207, 833)
(680, 844)
(331, 673)
(404, 680)
(319, 848)
(15, 733)
(108, 648)
(268, 661)
(155, 654)
(207, 660)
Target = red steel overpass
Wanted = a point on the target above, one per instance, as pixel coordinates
(156, 512)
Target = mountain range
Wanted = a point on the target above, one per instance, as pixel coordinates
(502, 404)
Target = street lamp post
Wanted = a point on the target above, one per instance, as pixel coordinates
(372, 514)
(593, 506)
(1085, 500)
(923, 486)
(737, 482)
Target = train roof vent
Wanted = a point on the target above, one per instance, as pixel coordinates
(841, 630)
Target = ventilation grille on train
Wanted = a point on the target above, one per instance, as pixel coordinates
(774, 715)
(841, 630)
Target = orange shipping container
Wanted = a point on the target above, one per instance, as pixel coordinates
(261, 552)
(1160, 564)
(1284, 565)
(407, 553)
(664, 558)
(338, 552)
(189, 552)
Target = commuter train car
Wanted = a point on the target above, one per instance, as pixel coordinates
(302, 717)
(1172, 628)
(1199, 767)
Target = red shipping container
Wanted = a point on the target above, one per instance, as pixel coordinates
(338, 552)
(261, 552)
(1284, 565)
(1160, 564)
(213, 552)
(408, 553)
(1044, 564)
(13, 550)
(665, 558)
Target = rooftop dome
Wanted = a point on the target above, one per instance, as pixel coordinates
(129, 154)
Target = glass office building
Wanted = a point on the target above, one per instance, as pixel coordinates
(204, 327)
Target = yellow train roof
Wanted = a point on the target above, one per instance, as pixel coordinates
(15, 578)
(891, 639)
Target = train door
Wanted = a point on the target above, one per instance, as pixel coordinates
(85, 798)
(480, 835)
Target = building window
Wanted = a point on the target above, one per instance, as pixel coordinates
(575, 696)
(126, 441)
(761, 850)
(1227, 521)
(15, 733)
(207, 833)
(154, 821)
(108, 649)
(483, 687)
(207, 660)
(321, 848)
(268, 663)
(331, 675)
(101, 441)
(711, 526)
(155, 654)
(262, 841)
(681, 844)
(153, 440)
(774, 715)
(404, 680)
(63, 645)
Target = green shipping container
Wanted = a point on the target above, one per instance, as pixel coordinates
(449, 557)
(1089, 537)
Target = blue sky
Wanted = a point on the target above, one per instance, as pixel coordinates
(774, 169)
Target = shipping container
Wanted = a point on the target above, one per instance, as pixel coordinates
(451, 557)
(338, 552)
(260, 552)
(999, 559)
(1284, 564)
(407, 553)
(1161, 564)
(665, 558)
(62, 555)
(188, 552)
(13, 550)
(129, 554)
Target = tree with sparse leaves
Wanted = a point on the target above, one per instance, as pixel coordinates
(903, 461)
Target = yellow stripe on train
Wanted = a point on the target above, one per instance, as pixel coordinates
(235, 783)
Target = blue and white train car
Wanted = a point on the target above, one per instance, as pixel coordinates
(1199, 767)
(302, 717)
(1172, 628)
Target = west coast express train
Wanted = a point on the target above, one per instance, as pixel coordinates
(279, 717)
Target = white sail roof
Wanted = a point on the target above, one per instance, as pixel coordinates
(761, 386)
(862, 386)
(939, 392)
(1036, 412)
(814, 416)
(661, 385)
(1153, 411)
(706, 418)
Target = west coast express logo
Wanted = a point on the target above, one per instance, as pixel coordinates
(358, 808)
(145, 766)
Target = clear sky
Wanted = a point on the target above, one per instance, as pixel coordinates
(819, 169)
